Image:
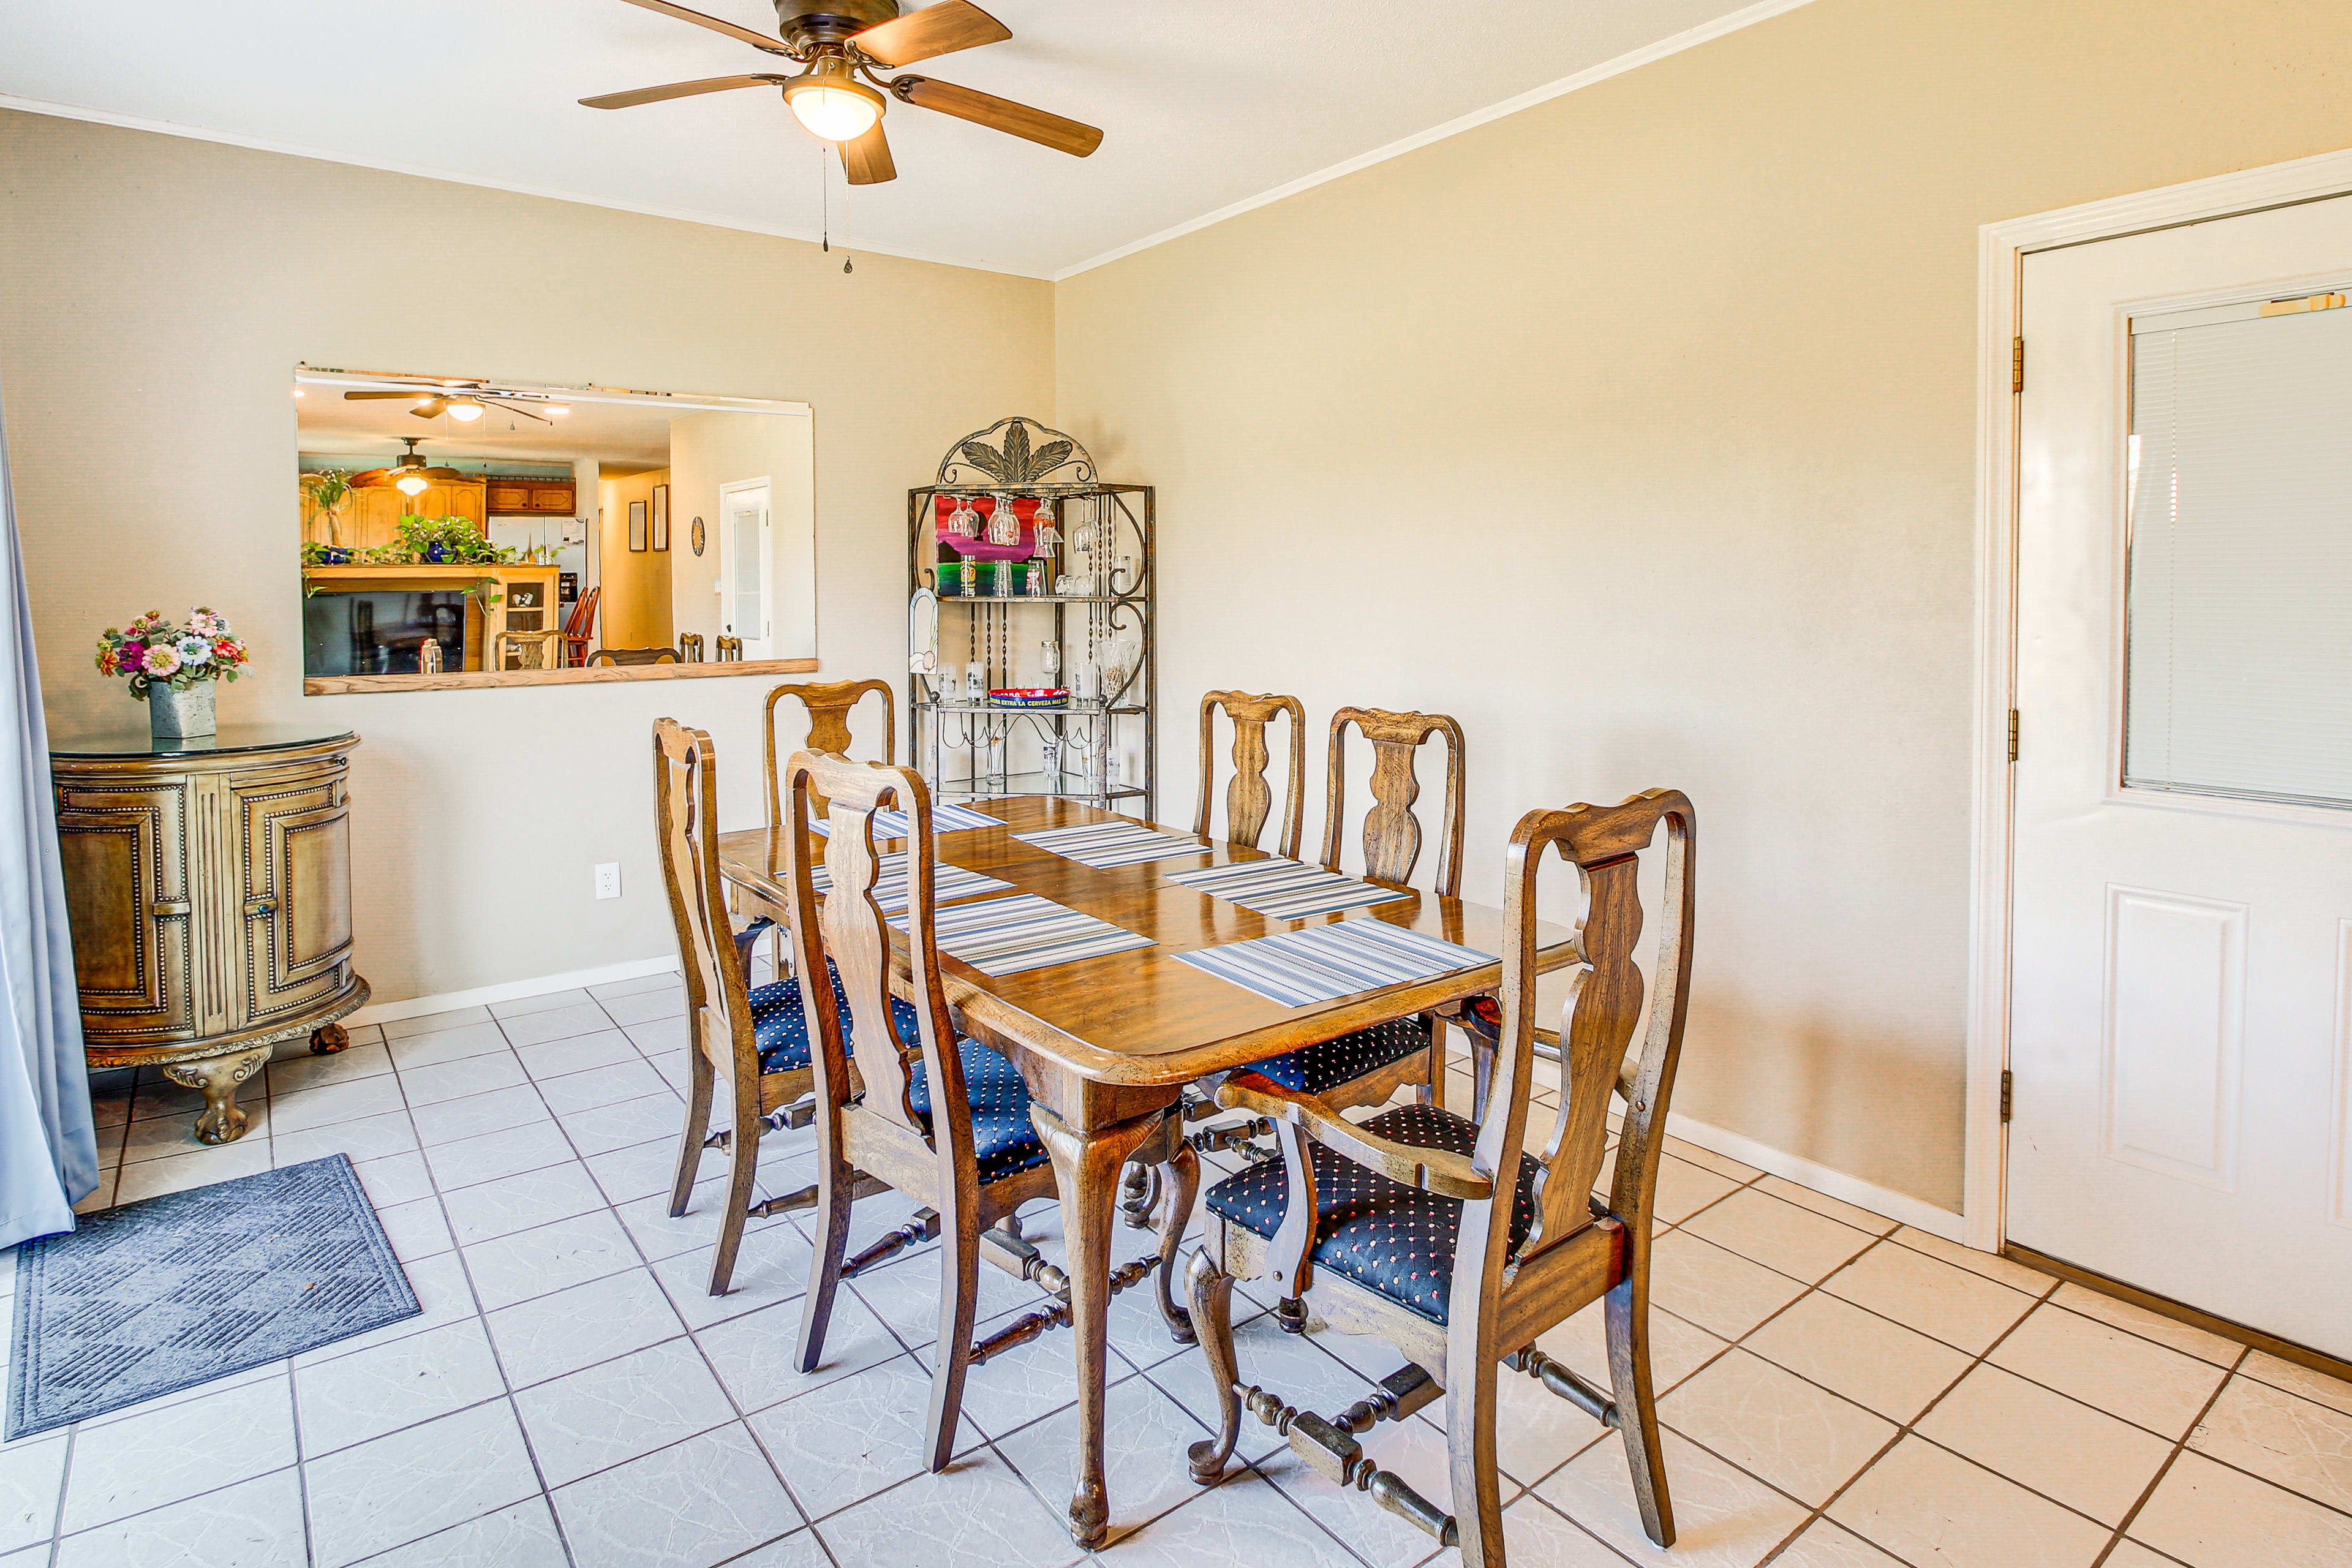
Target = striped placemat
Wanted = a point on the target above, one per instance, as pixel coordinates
(1006, 936)
(1284, 889)
(891, 892)
(1323, 964)
(1103, 844)
(944, 819)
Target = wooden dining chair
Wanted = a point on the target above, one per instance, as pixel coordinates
(1398, 1227)
(527, 650)
(690, 647)
(1248, 800)
(942, 1119)
(634, 656)
(728, 651)
(827, 704)
(755, 1038)
(1369, 1066)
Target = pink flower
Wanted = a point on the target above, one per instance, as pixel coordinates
(134, 656)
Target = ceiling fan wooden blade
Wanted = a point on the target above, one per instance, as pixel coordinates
(366, 396)
(369, 479)
(683, 90)
(742, 35)
(506, 405)
(999, 114)
(431, 408)
(934, 30)
(866, 160)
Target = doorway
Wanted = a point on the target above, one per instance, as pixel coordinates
(2179, 911)
(746, 566)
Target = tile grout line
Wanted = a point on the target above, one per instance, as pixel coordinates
(2171, 1460)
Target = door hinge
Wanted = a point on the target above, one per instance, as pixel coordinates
(2012, 734)
(2008, 1094)
(2017, 364)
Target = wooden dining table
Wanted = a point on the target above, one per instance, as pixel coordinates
(1107, 1044)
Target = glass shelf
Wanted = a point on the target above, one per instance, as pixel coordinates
(1063, 709)
(1030, 783)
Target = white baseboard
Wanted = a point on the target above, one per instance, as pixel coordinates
(482, 995)
(1832, 1184)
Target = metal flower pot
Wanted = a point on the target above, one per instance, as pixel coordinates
(178, 712)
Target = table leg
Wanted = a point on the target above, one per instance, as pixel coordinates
(1086, 1171)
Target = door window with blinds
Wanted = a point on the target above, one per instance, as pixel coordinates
(2238, 680)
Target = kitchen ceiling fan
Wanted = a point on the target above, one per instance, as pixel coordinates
(841, 41)
(408, 472)
(461, 401)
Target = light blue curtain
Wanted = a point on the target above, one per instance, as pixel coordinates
(49, 1148)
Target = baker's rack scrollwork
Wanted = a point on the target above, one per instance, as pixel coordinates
(1048, 584)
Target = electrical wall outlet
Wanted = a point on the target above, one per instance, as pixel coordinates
(608, 879)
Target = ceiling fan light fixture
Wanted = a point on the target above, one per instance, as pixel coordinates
(831, 103)
(463, 410)
(412, 484)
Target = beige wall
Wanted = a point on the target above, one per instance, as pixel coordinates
(1636, 430)
(633, 609)
(156, 293)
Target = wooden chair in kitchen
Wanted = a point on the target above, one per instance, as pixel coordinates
(580, 626)
(1400, 1227)
(1369, 1066)
(727, 650)
(755, 1039)
(689, 646)
(527, 650)
(942, 1119)
(1248, 799)
(634, 656)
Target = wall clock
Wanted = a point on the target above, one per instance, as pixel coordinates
(693, 536)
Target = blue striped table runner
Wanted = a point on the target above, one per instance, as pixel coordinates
(1006, 936)
(1103, 844)
(890, 893)
(944, 819)
(1323, 964)
(1284, 889)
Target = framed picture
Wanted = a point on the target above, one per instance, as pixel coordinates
(637, 525)
(661, 517)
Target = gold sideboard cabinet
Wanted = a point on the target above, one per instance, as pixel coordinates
(208, 884)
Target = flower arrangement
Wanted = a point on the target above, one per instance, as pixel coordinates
(154, 651)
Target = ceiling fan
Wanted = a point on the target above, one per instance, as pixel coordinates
(840, 41)
(461, 401)
(408, 472)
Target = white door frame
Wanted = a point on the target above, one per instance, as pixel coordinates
(727, 549)
(2002, 249)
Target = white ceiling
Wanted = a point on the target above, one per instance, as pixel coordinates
(1206, 103)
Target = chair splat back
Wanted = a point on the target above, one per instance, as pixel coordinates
(1248, 798)
(687, 820)
(1392, 832)
(828, 704)
(849, 929)
(1601, 1016)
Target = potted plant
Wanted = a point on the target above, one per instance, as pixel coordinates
(329, 489)
(172, 666)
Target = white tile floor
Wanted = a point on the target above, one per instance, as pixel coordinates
(1840, 1391)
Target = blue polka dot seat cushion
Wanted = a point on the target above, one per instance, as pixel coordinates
(1320, 1068)
(780, 1022)
(1392, 1239)
(1004, 1141)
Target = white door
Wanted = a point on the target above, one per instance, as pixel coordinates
(746, 565)
(2181, 939)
